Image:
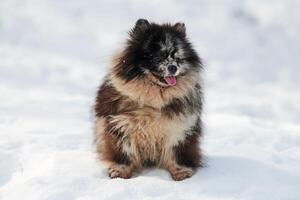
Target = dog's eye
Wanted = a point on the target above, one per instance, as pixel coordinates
(164, 54)
(179, 60)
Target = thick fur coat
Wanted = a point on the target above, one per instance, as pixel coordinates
(149, 106)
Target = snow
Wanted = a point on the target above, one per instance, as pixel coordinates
(53, 55)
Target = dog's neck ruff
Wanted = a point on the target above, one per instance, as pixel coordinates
(144, 92)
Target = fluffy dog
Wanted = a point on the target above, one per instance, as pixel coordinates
(148, 107)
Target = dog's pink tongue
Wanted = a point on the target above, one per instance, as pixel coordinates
(171, 80)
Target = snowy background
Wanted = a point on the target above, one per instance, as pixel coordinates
(54, 53)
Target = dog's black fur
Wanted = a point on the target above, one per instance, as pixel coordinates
(151, 97)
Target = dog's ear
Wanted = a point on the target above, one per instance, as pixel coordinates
(180, 27)
(141, 25)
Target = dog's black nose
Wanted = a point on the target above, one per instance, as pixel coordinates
(172, 69)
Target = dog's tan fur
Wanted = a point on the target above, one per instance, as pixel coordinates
(140, 123)
(149, 134)
(150, 94)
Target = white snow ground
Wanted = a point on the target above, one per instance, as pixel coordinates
(53, 55)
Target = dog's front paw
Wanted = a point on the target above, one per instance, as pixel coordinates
(119, 171)
(180, 173)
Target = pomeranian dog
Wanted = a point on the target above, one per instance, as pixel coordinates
(148, 107)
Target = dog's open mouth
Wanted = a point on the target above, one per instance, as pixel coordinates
(170, 80)
(166, 81)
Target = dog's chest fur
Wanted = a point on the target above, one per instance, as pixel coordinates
(149, 134)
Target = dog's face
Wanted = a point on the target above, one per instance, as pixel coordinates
(161, 52)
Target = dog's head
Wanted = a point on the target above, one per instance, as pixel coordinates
(161, 53)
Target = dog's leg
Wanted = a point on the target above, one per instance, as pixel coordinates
(119, 164)
(188, 152)
(186, 155)
(109, 148)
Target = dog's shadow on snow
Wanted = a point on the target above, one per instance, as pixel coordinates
(226, 173)
(222, 175)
